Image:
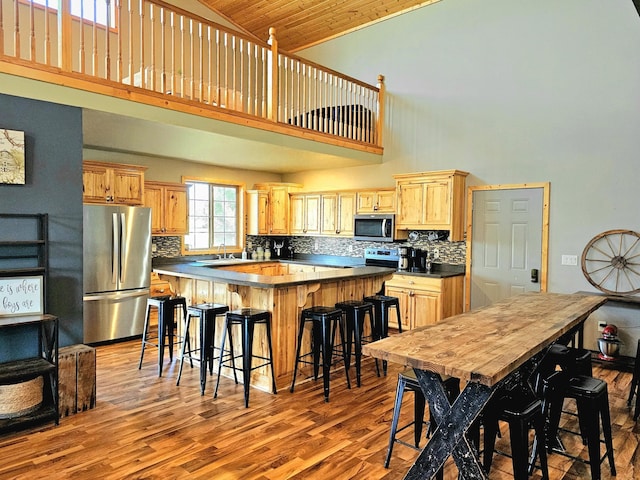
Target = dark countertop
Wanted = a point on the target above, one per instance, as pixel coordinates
(346, 267)
(202, 271)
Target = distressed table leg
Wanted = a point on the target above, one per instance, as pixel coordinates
(453, 423)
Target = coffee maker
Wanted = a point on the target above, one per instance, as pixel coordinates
(403, 259)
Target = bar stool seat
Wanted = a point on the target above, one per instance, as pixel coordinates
(324, 321)
(407, 381)
(206, 313)
(247, 319)
(382, 304)
(354, 312)
(166, 306)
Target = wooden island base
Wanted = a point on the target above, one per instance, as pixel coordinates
(285, 304)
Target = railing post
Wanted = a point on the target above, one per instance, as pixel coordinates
(381, 102)
(64, 35)
(272, 77)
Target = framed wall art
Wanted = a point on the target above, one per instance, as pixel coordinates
(11, 157)
(21, 296)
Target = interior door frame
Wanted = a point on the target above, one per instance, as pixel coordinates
(546, 187)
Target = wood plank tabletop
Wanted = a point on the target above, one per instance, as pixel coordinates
(487, 344)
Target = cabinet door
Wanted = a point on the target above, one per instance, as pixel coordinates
(128, 187)
(312, 214)
(153, 199)
(426, 307)
(176, 210)
(346, 210)
(438, 204)
(279, 210)
(386, 201)
(405, 307)
(410, 204)
(366, 202)
(328, 217)
(96, 184)
(297, 226)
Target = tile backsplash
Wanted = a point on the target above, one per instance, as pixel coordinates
(450, 252)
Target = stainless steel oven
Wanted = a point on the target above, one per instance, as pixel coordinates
(374, 227)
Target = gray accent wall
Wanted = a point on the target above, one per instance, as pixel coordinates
(53, 137)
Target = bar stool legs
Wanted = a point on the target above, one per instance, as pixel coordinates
(635, 384)
(166, 323)
(324, 321)
(247, 318)
(382, 304)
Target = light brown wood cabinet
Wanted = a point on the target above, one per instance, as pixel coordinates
(305, 214)
(112, 183)
(338, 209)
(169, 207)
(377, 201)
(269, 210)
(424, 300)
(431, 201)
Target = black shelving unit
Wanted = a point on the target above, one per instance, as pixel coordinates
(24, 253)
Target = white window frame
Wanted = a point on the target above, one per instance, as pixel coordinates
(214, 244)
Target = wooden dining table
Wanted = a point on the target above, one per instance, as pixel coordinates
(485, 348)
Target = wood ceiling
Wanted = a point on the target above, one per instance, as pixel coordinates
(303, 23)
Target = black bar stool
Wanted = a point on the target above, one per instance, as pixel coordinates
(635, 383)
(324, 321)
(206, 313)
(382, 304)
(592, 399)
(247, 319)
(522, 411)
(354, 312)
(407, 381)
(166, 325)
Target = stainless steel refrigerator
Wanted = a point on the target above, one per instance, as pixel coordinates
(117, 268)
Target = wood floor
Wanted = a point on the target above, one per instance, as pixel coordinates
(144, 427)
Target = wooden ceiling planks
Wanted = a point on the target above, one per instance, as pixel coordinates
(303, 23)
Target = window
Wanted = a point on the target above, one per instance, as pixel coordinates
(213, 217)
(89, 10)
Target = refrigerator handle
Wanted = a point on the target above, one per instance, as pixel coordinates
(115, 248)
(123, 253)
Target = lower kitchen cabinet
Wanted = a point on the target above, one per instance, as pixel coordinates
(424, 300)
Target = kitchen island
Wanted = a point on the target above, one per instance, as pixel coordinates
(284, 288)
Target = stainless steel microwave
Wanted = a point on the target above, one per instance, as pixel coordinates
(375, 227)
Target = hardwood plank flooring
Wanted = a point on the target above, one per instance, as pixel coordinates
(144, 427)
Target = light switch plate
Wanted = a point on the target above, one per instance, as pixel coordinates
(569, 260)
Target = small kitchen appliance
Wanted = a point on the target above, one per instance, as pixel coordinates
(374, 227)
(609, 344)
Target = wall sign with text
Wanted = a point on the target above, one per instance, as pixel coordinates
(21, 296)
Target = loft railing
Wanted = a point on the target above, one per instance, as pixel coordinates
(150, 45)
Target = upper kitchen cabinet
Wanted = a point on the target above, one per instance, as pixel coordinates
(382, 200)
(169, 207)
(305, 214)
(432, 201)
(268, 208)
(338, 209)
(112, 183)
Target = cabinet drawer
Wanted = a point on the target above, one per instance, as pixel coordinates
(415, 283)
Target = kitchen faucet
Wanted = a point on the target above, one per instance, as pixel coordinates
(224, 251)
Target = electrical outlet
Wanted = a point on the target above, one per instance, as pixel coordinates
(601, 325)
(436, 253)
(350, 248)
(249, 245)
(315, 246)
(154, 247)
(569, 260)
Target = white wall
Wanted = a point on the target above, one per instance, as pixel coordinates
(513, 92)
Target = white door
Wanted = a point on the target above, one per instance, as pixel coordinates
(506, 245)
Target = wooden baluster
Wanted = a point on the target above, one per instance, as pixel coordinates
(131, 45)
(2, 52)
(107, 43)
(119, 60)
(173, 53)
(225, 82)
(250, 95)
(163, 51)
(191, 62)
(233, 72)
(182, 56)
(265, 84)
(380, 119)
(210, 38)
(47, 33)
(143, 73)
(32, 34)
(272, 72)
(16, 28)
(152, 46)
(201, 62)
(64, 35)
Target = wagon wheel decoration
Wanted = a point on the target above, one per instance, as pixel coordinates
(611, 262)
